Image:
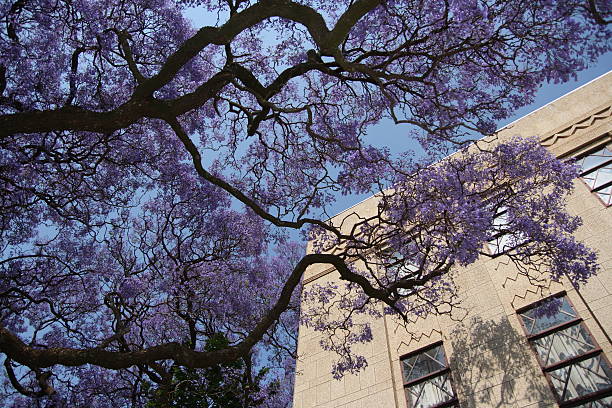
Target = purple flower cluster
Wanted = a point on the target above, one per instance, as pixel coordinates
(149, 171)
(441, 218)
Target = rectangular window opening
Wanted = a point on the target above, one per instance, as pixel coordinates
(596, 172)
(501, 240)
(427, 379)
(397, 267)
(577, 370)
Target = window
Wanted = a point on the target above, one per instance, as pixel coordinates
(575, 366)
(596, 172)
(427, 381)
(401, 268)
(502, 241)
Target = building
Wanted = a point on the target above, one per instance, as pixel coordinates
(489, 358)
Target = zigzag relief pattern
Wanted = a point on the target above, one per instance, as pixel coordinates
(538, 292)
(417, 338)
(507, 278)
(412, 319)
(514, 277)
(544, 289)
(583, 124)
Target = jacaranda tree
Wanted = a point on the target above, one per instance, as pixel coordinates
(151, 173)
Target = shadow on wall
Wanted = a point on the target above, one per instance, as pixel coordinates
(492, 367)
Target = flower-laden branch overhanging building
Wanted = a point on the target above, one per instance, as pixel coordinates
(503, 334)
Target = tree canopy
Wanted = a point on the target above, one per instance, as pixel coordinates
(151, 173)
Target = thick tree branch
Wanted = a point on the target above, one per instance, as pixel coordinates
(78, 119)
(20, 352)
(41, 377)
(226, 33)
(347, 21)
(141, 104)
(124, 45)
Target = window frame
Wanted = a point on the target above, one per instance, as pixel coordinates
(596, 351)
(454, 402)
(497, 237)
(594, 191)
(400, 263)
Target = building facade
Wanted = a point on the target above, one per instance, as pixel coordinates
(506, 351)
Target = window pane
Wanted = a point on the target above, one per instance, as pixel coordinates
(548, 314)
(606, 195)
(500, 244)
(404, 267)
(595, 159)
(581, 378)
(564, 344)
(501, 219)
(499, 241)
(589, 179)
(430, 393)
(424, 363)
(603, 176)
(596, 172)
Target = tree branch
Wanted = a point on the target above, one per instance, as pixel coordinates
(238, 194)
(20, 352)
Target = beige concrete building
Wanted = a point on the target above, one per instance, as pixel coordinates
(502, 353)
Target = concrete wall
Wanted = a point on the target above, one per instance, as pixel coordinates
(491, 361)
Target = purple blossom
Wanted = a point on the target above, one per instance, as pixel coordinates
(150, 172)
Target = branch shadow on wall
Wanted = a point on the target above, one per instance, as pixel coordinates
(492, 367)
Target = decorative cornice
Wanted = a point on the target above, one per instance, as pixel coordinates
(318, 275)
(582, 124)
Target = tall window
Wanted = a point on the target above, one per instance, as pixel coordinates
(574, 364)
(427, 381)
(401, 268)
(500, 240)
(596, 172)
